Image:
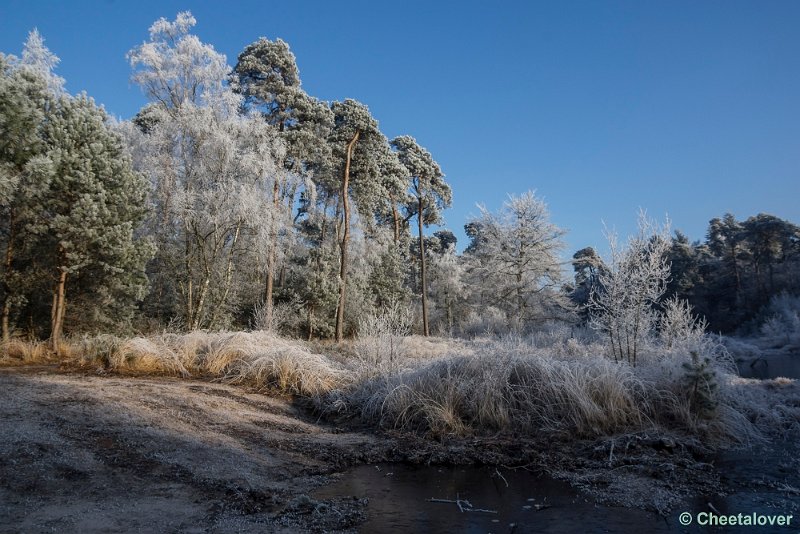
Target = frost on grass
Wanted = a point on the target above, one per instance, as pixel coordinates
(684, 383)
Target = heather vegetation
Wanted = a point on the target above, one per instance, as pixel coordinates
(242, 230)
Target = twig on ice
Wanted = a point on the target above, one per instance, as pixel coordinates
(501, 476)
(463, 505)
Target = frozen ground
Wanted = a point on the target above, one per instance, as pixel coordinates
(89, 453)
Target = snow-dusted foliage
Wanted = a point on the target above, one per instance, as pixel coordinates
(174, 68)
(633, 281)
(266, 74)
(37, 58)
(782, 324)
(513, 262)
(212, 170)
(71, 205)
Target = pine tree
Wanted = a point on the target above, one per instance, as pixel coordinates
(24, 99)
(90, 210)
(700, 381)
(430, 194)
(368, 171)
(266, 74)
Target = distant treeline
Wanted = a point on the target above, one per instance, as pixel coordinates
(729, 277)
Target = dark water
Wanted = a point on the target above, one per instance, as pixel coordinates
(771, 366)
(399, 501)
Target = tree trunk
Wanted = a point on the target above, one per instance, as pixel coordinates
(188, 292)
(272, 258)
(57, 312)
(425, 329)
(396, 219)
(345, 238)
(6, 286)
(310, 335)
(228, 277)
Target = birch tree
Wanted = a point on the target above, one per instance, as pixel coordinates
(210, 166)
(634, 280)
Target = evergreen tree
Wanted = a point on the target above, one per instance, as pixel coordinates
(24, 100)
(90, 210)
(368, 173)
(430, 196)
(266, 74)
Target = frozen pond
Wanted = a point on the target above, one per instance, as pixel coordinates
(400, 501)
(771, 366)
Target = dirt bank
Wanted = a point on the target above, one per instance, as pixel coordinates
(89, 453)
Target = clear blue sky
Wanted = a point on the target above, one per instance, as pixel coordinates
(686, 108)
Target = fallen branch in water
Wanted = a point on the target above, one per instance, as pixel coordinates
(464, 506)
(501, 476)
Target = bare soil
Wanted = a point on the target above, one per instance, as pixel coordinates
(82, 452)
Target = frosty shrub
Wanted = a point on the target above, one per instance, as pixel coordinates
(285, 317)
(381, 336)
(489, 321)
(635, 280)
(678, 325)
(782, 326)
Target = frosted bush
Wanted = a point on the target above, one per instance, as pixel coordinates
(382, 335)
(782, 326)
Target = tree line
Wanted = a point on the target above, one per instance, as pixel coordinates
(234, 199)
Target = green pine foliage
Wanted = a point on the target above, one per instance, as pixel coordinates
(700, 381)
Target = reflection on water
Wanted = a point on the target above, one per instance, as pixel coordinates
(772, 366)
(399, 501)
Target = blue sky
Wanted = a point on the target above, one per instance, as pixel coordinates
(689, 109)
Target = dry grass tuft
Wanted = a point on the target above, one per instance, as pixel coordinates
(18, 351)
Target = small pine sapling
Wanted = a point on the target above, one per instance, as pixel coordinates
(700, 380)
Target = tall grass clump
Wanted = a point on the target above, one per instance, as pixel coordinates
(257, 359)
(17, 351)
(500, 388)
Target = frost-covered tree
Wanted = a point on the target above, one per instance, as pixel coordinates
(37, 58)
(90, 209)
(633, 282)
(71, 203)
(368, 171)
(266, 74)
(174, 68)
(24, 100)
(513, 260)
(447, 287)
(431, 194)
(211, 168)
